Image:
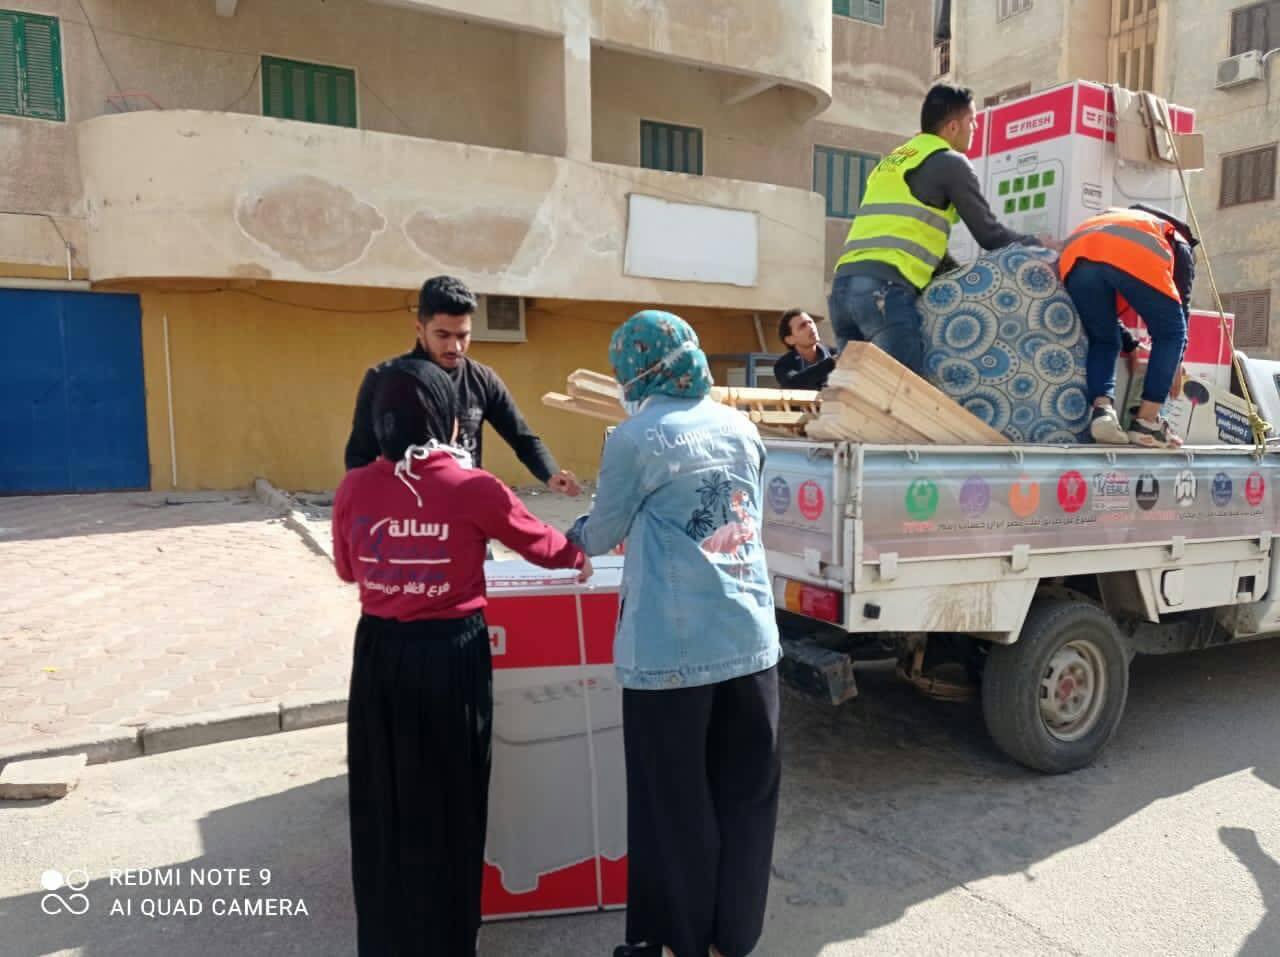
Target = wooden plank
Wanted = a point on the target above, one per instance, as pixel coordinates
(882, 388)
(567, 403)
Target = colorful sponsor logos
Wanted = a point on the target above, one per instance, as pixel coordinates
(1024, 496)
(1185, 487)
(975, 497)
(1255, 489)
(810, 500)
(922, 499)
(779, 495)
(1222, 490)
(1073, 492)
(1112, 492)
(1147, 491)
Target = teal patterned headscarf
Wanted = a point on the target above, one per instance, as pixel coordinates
(657, 353)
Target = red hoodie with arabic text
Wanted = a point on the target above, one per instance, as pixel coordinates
(416, 561)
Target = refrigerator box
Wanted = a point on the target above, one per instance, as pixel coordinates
(1200, 412)
(557, 795)
(1208, 354)
(1049, 161)
(962, 246)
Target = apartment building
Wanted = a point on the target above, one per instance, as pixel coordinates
(1209, 55)
(214, 215)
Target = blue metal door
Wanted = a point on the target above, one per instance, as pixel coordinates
(72, 401)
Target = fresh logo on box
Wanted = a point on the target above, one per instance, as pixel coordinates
(1096, 119)
(497, 640)
(1028, 126)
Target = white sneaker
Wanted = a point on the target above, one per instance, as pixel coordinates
(1104, 426)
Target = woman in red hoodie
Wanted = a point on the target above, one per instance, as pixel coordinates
(412, 529)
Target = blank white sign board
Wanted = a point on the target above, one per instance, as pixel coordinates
(691, 243)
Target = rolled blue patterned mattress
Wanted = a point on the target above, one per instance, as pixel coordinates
(1003, 339)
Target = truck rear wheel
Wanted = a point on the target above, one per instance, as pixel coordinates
(1053, 699)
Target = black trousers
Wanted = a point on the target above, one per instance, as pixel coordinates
(703, 771)
(419, 724)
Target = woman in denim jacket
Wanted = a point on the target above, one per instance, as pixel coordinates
(696, 648)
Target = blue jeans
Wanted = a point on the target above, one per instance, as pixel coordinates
(864, 309)
(1093, 287)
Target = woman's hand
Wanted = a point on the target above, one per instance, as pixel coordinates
(586, 570)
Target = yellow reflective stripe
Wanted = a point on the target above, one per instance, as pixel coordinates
(913, 249)
(921, 213)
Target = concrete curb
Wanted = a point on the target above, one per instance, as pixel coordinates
(292, 713)
(294, 518)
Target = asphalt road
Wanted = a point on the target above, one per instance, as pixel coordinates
(902, 831)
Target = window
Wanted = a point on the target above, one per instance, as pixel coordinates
(840, 176)
(1008, 8)
(1248, 177)
(1253, 317)
(31, 66)
(676, 149)
(1135, 29)
(1256, 27)
(1004, 96)
(869, 11)
(293, 90)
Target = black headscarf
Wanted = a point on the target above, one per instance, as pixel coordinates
(414, 402)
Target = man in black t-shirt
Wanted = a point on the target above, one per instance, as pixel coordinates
(807, 362)
(445, 308)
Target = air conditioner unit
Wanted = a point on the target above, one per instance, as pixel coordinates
(1240, 69)
(499, 319)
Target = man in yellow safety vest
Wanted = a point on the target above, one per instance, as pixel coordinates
(899, 238)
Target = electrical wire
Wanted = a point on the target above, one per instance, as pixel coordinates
(105, 62)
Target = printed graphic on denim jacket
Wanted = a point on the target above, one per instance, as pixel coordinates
(1003, 339)
(722, 523)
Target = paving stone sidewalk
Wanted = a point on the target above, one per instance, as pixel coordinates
(120, 610)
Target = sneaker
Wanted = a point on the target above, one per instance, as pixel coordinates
(1154, 435)
(1104, 426)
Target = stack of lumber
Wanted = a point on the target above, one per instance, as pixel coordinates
(774, 411)
(871, 397)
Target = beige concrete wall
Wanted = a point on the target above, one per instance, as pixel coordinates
(344, 207)
(1244, 241)
(784, 40)
(417, 74)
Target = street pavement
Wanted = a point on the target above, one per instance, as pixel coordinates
(122, 609)
(902, 832)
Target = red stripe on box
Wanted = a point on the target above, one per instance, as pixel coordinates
(1095, 113)
(533, 631)
(978, 148)
(1032, 120)
(570, 888)
(599, 622)
(614, 878)
(1207, 342)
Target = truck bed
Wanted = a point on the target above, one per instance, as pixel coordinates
(933, 538)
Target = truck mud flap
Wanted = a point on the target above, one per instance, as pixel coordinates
(817, 671)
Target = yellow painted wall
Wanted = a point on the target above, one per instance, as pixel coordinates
(266, 388)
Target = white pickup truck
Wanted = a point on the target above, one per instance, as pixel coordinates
(1039, 571)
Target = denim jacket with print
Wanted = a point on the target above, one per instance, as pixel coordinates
(681, 483)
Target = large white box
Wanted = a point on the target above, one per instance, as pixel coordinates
(1048, 162)
(557, 836)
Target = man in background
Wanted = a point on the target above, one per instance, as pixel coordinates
(807, 362)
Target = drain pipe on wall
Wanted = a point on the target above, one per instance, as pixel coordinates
(168, 385)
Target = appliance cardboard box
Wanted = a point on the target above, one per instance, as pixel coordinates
(557, 795)
(1049, 161)
(1201, 413)
(1208, 353)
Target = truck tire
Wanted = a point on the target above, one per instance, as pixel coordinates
(1053, 699)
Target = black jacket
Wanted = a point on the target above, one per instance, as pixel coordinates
(482, 397)
(792, 373)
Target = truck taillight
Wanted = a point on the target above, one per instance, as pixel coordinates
(811, 601)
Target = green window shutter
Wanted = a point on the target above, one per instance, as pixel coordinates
(10, 98)
(293, 90)
(840, 177)
(673, 149)
(42, 68)
(869, 11)
(31, 66)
